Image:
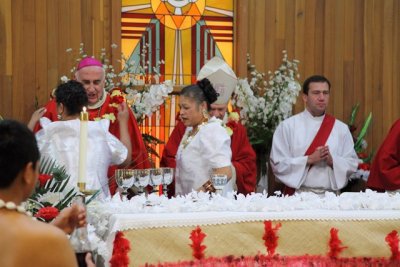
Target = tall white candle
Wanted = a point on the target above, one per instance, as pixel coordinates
(84, 118)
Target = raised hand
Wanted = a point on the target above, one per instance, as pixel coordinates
(36, 117)
(123, 113)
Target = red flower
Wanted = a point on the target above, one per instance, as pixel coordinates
(335, 244)
(47, 213)
(120, 252)
(197, 237)
(393, 241)
(118, 99)
(43, 178)
(363, 166)
(270, 237)
(232, 125)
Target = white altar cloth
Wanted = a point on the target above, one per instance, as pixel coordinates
(199, 210)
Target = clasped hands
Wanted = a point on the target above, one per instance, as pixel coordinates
(321, 153)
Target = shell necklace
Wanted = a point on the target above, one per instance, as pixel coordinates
(192, 134)
(12, 206)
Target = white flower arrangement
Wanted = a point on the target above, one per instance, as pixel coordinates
(264, 104)
(149, 100)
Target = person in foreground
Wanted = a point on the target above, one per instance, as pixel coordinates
(205, 147)
(385, 169)
(23, 240)
(224, 80)
(313, 151)
(59, 140)
(91, 74)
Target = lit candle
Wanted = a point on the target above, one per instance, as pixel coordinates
(84, 118)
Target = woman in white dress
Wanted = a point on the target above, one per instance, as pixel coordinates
(205, 147)
(59, 140)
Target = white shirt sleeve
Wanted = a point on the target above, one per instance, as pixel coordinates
(289, 169)
(119, 152)
(215, 145)
(345, 160)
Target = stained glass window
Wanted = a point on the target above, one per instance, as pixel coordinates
(184, 34)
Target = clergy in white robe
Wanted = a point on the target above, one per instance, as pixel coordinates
(198, 155)
(289, 163)
(59, 141)
(323, 167)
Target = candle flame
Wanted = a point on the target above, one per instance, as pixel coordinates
(84, 109)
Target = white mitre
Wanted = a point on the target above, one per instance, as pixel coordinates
(221, 76)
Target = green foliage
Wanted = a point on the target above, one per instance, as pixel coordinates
(354, 112)
(359, 140)
(363, 132)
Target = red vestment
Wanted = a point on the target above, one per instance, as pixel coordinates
(385, 169)
(243, 156)
(140, 159)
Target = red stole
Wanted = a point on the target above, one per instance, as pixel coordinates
(319, 140)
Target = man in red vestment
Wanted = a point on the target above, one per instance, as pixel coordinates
(385, 169)
(244, 168)
(91, 74)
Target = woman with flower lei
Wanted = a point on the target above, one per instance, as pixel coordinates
(243, 160)
(205, 147)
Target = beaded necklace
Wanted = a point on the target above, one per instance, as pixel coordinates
(12, 206)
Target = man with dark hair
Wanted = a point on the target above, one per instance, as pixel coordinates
(313, 151)
(23, 241)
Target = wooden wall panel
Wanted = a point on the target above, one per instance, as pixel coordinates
(5, 58)
(36, 34)
(41, 55)
(355, 43)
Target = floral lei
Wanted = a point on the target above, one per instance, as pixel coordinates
(116, 98)
(230, 125)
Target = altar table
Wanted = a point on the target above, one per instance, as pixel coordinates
(159, 236)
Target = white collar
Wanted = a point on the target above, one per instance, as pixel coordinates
(100, 102)
(310, 116)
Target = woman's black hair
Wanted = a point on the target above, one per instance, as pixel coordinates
(18, 147)
(72, 95)
(201, 91)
